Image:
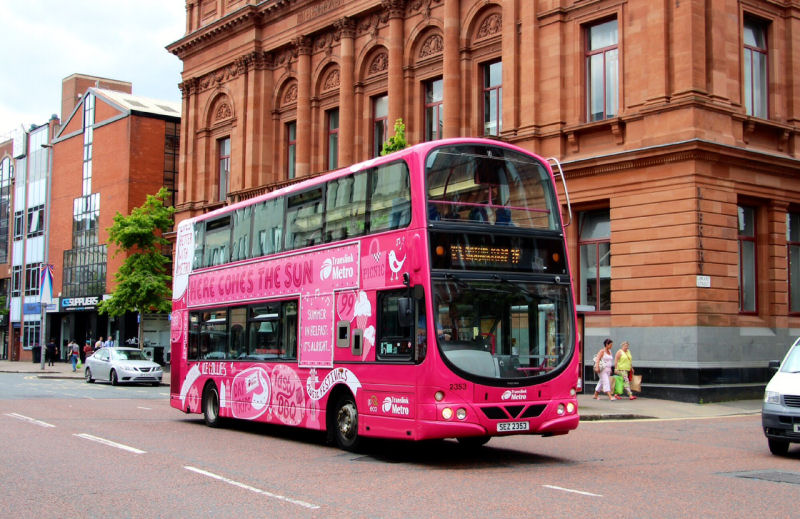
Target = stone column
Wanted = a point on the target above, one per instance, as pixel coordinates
(303, 161)
(511, 63)
(191, 9)
(452, 70)
(396, 10)
(188, 178)
(347, 114)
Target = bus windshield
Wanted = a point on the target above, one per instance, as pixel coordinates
(502, 330)
(490, 185)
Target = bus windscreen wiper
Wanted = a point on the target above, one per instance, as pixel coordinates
(518, 288)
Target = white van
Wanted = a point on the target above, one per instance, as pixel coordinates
(780, 413)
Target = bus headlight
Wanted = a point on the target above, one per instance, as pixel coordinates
(560, 409)
(461, 413)
(439, 396)
(570, 408)
(572, 392)
(447, 413)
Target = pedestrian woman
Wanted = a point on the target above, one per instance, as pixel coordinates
(74, 352)
(603, 368)
(624, 367)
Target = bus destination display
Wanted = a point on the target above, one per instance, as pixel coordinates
(465, 251)
(485, 255)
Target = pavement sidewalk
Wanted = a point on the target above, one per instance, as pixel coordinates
(589, 409)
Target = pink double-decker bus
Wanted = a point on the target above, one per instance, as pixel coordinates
(425, 294)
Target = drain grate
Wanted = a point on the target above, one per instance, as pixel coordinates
(776, 476)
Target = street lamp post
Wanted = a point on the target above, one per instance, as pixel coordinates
(44, 274)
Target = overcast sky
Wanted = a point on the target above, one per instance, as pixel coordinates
(44, 41)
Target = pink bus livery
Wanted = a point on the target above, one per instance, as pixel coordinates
(425, 294)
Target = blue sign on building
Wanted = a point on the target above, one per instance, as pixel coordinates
(32, 308)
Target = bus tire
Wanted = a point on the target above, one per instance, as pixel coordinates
(473, 442)
(211, 406)
(345, 423)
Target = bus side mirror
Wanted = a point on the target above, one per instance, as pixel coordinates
(405, 312)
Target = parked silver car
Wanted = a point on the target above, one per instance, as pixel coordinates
(119, 365)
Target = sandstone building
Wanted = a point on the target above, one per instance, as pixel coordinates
(676, 124)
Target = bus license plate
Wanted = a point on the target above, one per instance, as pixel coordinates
(512, 426)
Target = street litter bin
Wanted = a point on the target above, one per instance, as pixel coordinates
(37, 354)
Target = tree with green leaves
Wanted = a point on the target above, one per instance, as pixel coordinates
(143, 283)
(397, 141)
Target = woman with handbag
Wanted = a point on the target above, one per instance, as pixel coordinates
(603, 368)
(623, 361)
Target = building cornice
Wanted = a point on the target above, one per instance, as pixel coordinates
(681, 151)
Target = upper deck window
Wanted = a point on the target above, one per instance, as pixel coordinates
(491, 186)
(364, 202)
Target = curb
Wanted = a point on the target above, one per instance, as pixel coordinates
(623, 416)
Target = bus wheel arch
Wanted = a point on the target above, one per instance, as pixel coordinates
(210, 405)
(341, 419)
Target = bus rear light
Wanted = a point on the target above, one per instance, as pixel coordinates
(439, 396)
(461, 413)
(560, 409)
(447, 413)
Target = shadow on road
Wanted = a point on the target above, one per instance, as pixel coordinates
(430, 453)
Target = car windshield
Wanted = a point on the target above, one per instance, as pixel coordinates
(503, 330)
(127, 355)
(791, 363)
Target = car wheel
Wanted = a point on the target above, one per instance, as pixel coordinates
(211, 406)
(346, 424)
(87, 375)
(473, 442)
(778, 447)
(113, 377)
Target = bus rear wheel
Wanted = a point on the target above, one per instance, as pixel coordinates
(211, 406)
(346, 423)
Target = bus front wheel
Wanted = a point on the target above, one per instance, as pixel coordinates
(346, 423)
(211, 406)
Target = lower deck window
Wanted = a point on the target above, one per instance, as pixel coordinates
(265, 331)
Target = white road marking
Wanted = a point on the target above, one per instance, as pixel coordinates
(253, 489)
(573, 491)
(110, 443)
(30, 420)
(145, 408)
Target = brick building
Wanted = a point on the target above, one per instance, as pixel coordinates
(6, 181)
(112, 150)
(676, 124)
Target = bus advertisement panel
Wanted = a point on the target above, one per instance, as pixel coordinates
(421, 295)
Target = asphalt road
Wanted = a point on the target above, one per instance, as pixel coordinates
(104, 451)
